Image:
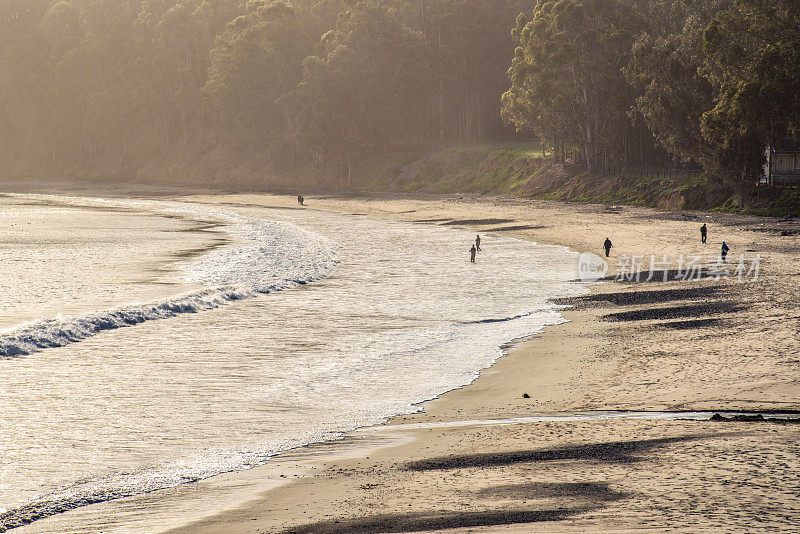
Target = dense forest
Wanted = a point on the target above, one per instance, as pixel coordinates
(99, 84)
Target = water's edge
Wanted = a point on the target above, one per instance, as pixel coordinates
(338, 441)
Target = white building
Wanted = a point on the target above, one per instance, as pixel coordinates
(782, 167)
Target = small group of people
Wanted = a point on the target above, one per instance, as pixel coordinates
(475, 248)
(703, 238)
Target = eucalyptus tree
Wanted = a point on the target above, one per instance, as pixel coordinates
(368, 86)
(174, 38)
(566, 74)
(256, 60)
(666, 70)
(753, 57)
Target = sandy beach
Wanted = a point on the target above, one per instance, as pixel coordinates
(529, 447)
(365, 267)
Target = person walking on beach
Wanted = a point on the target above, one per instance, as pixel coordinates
(725, 249)
(472, 254)
(478, 243)
(300, 199)
(703, 233)
(607, 245)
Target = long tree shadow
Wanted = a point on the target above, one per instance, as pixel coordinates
(478, 221)
(676, 312)
(632, 298)
(690, 324)
(616, 452)
(708, 272)
(595, 492)
(515, 228)
(431, 521)
(589, 495)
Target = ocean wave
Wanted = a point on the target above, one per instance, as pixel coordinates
(101, 489)
(268, 256)
(399, 326)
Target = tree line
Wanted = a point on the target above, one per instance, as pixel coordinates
(697, 82)
(103, 83)
(96, 84)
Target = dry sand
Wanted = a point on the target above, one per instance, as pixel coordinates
(675, 345)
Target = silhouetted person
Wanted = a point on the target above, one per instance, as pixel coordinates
(300, 199)
(472, 252)
(478, 242)
(607, 245)
(725, 249)
(703, 233)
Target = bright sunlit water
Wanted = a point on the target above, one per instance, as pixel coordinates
(147, 344)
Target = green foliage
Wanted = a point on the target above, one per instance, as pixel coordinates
(753, 54)
(784, 204)
(256, 60)
(673, 93)
(365, 88)
(111, 85)
(102, 84)
(521, 169)
(566, 79)
(717, 90)
(473, 169)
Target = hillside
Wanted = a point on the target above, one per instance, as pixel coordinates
(513, 168)
(519, 170)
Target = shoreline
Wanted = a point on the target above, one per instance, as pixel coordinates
(401, 432)
(554, 368)
(436, 390)
(346, 489)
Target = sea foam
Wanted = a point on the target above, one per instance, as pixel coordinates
(267, 256)
(406, 318)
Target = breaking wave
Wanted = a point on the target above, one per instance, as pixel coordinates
(267, 256)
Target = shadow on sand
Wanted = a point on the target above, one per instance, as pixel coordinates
(431, 521)
(669, 275)
(616, 452)
(643, 297)
(460, 222)
(515, 228)
(594, 491)
(688, 325)
(579, 497)
(676, 312)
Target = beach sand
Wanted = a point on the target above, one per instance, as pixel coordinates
(466, 464)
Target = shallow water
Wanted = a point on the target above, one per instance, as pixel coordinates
(65, 258)
(320, 323)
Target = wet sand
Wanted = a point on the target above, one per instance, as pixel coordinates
(710, 345)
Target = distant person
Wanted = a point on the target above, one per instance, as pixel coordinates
(472, 252)
(703, 233)
(478, 243)
(300, 199)
(607, 245)
(725, 249)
